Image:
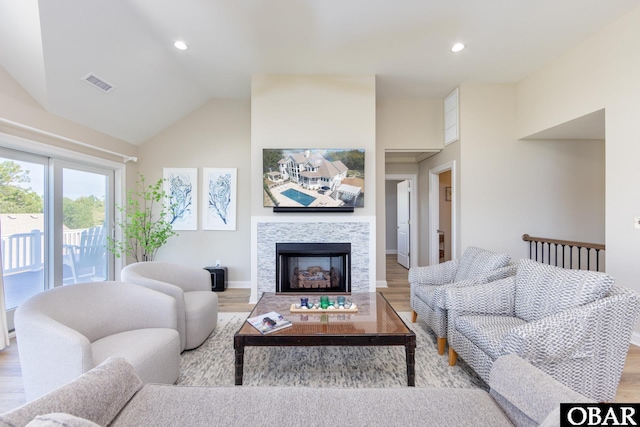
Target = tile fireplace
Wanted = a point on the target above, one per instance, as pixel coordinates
(358, 231)
(313, 267)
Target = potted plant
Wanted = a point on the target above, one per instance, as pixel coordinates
(144, 223)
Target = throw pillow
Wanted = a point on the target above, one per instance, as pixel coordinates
(542, 290)
(476, 261)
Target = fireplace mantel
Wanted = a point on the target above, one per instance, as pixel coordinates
(267, 231)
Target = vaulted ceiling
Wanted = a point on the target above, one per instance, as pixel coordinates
(49, 46)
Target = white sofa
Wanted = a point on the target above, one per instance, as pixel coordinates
(190, 286)
(112, 395)
(66, 331)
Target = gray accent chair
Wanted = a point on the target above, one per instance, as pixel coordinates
(190, 287)
(66, 331)
(428, 284)
(112, 395)
(572, 324)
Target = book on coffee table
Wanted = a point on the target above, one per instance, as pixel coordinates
(269, 322)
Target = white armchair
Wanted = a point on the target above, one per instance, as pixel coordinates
(66, 331)
(428, 284)
(191, 288)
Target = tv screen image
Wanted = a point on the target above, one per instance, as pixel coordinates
(313, 178)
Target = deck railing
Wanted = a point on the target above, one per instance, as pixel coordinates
(566, 253)
(22, 252)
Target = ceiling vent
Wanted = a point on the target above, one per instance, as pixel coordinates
(98, 83)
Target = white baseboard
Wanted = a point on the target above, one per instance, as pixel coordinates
(635, 338)
(381, 284)
(392, 251)
(239, 285)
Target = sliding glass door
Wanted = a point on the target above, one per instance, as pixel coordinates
(84, 212)
(54, 218)
(23, 181)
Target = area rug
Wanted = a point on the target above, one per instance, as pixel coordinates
(212, 364)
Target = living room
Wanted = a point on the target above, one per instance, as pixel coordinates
(521, 163)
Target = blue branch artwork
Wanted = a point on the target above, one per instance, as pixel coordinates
(181, 188)
(220, 196)
(180, 197)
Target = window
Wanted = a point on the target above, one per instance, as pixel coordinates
(55, 216)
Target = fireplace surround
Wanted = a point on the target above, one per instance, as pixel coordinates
(313, 267)
(311, 228)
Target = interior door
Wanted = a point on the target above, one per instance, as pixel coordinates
(403, 223)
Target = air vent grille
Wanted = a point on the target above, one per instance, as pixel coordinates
(98, 83)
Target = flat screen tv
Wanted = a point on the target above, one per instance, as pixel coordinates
(313, 179)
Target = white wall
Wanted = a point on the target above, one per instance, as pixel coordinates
(404, 124)
(215, 135)
(507, 187)
(512, 187)
(410, 124)
(450, 153)
(601, 72)
(19, 111)
(313, 111)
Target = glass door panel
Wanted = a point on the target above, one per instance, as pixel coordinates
(22, 217)
(84, 210)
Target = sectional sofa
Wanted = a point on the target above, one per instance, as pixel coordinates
(113, 395)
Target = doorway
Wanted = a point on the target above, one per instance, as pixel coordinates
(444, 217)
(409, 231)
(442, 209)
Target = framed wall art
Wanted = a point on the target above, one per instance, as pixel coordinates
(219, 198)
(181, 186)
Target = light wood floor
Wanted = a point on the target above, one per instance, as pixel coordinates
(236, 300)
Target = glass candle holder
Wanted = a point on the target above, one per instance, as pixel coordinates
(324, 301)
(304, 302)
(341, 301)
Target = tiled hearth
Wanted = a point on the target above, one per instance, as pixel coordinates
(267, 231)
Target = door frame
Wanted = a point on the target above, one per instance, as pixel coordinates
(413, 212)
(434, 210)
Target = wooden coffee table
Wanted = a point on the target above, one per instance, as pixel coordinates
(375, 324)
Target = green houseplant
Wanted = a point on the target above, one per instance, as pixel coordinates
(144, 223)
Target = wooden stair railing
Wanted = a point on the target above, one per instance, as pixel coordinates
(562, 252)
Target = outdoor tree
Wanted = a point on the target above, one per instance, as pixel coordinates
(14, 198)
(353, 159)
(270, 160)
(84, 212)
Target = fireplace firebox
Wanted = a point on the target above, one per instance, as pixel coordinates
(313, 267)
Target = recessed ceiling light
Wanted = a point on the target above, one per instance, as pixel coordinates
(457, 47)
(181, 45)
